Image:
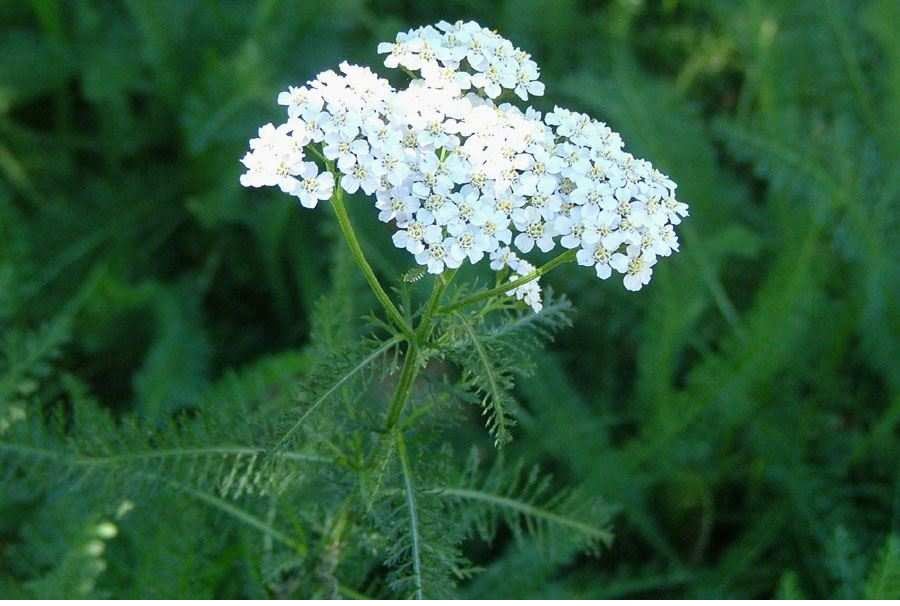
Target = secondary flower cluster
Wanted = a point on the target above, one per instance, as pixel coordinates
(463, 177)
(461, 56)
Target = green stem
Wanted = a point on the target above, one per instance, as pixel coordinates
(415, 337)
(440, 285)
(547, 267)
(318, 154)
(404, 385)
(411, 359)
(337, 202)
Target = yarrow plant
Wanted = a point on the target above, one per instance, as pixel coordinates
(463, 176)
(159, 439)
(333, 461)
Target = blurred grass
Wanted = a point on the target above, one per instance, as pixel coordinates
(742, 412)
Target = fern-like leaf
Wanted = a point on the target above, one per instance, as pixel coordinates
(211, 453)
(348, 370)
(409, 490)
(528, 503)
(491, 383)
(422, 536)
(492, 355)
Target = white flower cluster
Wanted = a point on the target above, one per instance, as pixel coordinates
(530, 292)
(464, 55)
(463, 177)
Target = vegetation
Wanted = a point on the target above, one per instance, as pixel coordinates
(200, 396)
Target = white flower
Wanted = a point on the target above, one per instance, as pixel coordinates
(390, 163)
(440, 206)
(430, 176)
(534, 230)
(572, 227)
(344, 150)
(546, 202)
(381, 134)
(599, 256)
(314, 186)
(594, 193)
(675, 210)
(438, 255)
(542, 170)
(494, 226)
(447, 77)
(530, 292)
(504, 257)
(440, 53)
(396, 204)
(431, 129)
(527, 82)
(493, 79)
(274, 159)
(312, 122)
(415, 235)
(365, 174)
(468, 242)
(402, 52)
(300, 100)
(664, 241)
(637, 266)
(601, 226)
(505, 202)
(258, 174)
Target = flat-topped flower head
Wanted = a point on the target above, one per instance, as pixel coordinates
(461, 177)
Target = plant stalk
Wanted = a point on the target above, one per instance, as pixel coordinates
(423, 330)
(340, 211)
(411, 359)
(404, 385)
(547, 267)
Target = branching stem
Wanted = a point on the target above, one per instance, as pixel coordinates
(547, 267)
(416, 338)
(411, 359)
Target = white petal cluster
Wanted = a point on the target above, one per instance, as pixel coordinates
(463, 55)
(529, 292)
(618, 211)
(462, 177)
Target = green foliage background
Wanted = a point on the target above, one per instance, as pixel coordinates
(741, 414)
